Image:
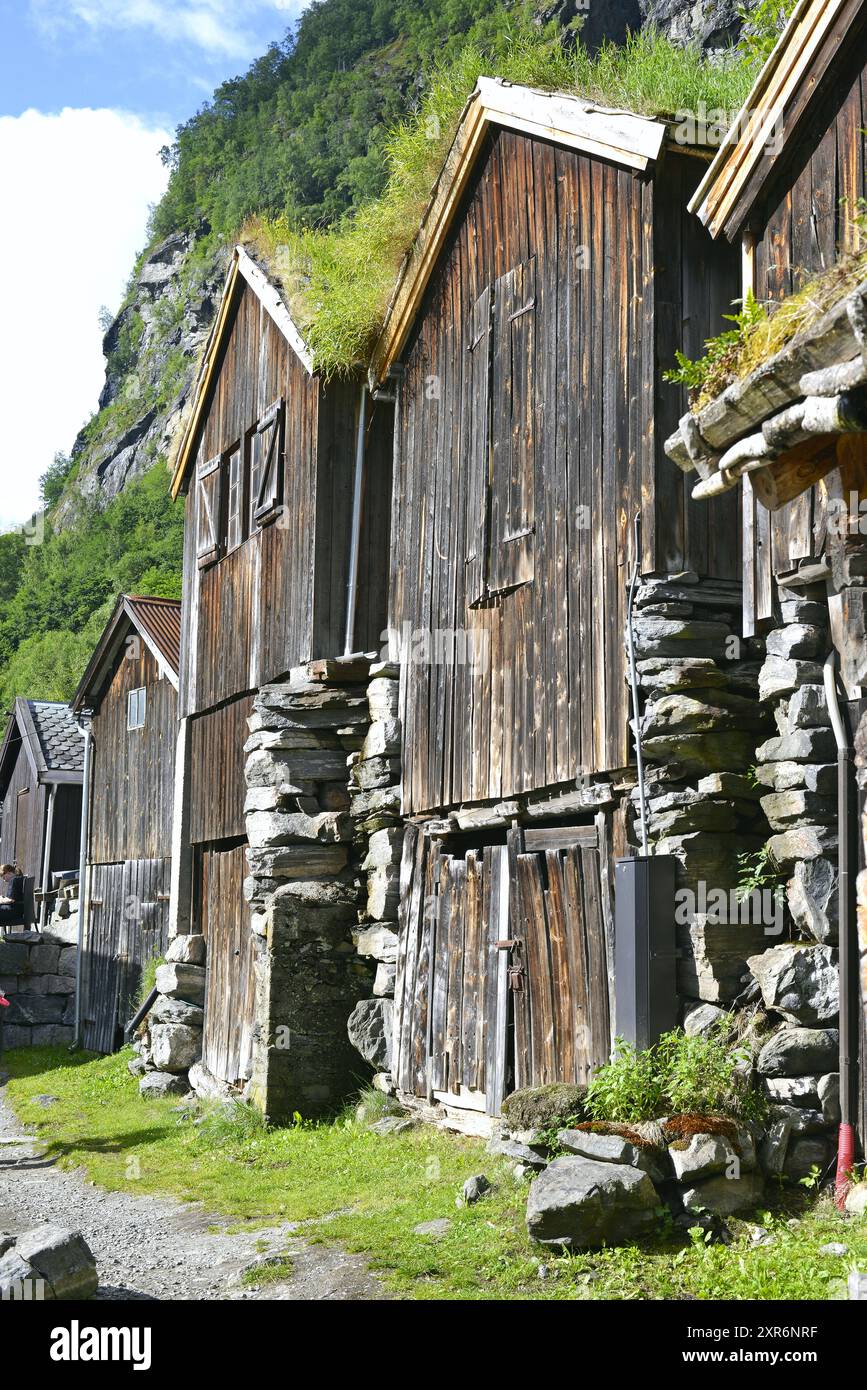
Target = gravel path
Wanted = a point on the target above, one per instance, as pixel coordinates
(155, 1247)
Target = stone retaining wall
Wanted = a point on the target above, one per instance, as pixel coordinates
(37, 975)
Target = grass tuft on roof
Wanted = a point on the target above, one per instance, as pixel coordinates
(338, 282)
(764, 328)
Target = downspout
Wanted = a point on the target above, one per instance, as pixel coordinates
(355, 540)
(633, 682)
(84, 725)
(845, 762)
(46, 857)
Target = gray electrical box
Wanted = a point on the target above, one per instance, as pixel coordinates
(645, 949)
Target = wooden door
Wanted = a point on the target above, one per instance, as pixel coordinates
(23, 813)
(230, 986)
(127, 927)
(100, 963)
(503, 974)
(562, 924)
(451, 989)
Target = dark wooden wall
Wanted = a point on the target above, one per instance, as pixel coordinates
(66, 835)
(23, 829)
(133, 770)
(553, 699)
(804, 221)
(279, 599)
(217, 786)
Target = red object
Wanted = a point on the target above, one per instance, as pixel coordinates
(4, 1002)
(845, 1160)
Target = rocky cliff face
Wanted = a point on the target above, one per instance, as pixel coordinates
(714, 24)
(152, 349)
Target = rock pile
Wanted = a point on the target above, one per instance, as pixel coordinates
(378, 832)
(169, 1043)
(700, 724)
(610, 1185)
(797, 767)
(303, 888)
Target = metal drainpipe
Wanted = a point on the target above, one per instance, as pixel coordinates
(46, 857)
(82, 873)
(633, 682)
(355, 542)
(845, 760)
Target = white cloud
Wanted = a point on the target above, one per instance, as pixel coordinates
(76, 187)
(219, 27)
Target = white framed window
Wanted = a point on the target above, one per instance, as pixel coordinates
(136, 707)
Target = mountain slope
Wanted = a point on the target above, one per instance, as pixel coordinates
(301, 137)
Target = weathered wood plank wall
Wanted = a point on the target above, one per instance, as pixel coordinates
(550, 698)
(21, 839)
(806, 219)
(132, 787)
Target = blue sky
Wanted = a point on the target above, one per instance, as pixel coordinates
(89, 92)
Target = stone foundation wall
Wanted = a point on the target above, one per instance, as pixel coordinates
(378, 840)
(304, 884)
(745, 798)
(37, 975)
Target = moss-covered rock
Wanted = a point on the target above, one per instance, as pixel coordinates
(540, 1107)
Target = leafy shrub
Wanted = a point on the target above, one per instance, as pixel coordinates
(697, 1075)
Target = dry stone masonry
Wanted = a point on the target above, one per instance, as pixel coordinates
(37, 975)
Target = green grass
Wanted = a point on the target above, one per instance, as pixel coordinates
(339, 281)
(376, 1189)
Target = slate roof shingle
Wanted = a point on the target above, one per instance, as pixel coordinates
(60, 738)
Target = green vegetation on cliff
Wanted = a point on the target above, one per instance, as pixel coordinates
(327, 149)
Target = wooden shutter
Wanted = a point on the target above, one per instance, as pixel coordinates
(513, 430)
(209, 479)
(267, 471)
(235, 530)
(478, 447)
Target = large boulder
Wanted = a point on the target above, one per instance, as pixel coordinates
(538, 1107)
(582, 1203)
(182, 981)
(812, 896)
(369, 1027)
(725, 1195)
(611, 1148)
(799, 982)
(189, 949)
(703, 1156)
(156, 1084)
(799, 1052)
(175, 1046)
(62, 1258)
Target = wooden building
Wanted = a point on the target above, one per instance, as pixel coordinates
(786, 187)
(288, 482)
(41, 763)
(130, 694)
(556, 269)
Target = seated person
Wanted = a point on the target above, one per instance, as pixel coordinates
(11, 897)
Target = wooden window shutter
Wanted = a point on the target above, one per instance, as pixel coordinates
(478, 447)
(267, 468)
(209, 479)
(235, 533)
(513, 430)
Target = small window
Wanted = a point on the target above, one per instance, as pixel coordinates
(501, 521)
(236, 532)
(135, 709)
(266, 467)
(209, 479)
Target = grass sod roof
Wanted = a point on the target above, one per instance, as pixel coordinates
(338, 282)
